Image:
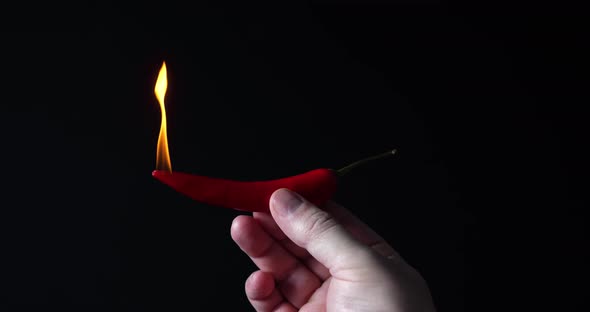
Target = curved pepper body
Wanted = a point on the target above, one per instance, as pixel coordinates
(317, 186)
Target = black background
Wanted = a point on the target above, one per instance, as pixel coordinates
(486, 105)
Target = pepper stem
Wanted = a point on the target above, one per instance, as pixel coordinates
(344, 170)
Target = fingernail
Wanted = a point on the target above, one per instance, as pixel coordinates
(286, 201)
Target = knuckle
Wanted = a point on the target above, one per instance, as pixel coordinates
(318, 223)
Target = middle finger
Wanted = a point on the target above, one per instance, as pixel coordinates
(271, 227)
(295, 281)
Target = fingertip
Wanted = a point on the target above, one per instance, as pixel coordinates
(239, 225)
(249, 236)
(275, 196)
(263, 295)
(259, 285)
(284, 202)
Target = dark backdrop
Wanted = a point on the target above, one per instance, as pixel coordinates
(484, 103)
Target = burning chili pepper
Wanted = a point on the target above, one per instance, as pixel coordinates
(318, 186)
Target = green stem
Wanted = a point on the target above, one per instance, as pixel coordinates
(346, 169)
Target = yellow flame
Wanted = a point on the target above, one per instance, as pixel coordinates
(162, 154)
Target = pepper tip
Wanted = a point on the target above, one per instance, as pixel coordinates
(159, 173)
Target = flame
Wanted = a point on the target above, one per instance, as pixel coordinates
(162, 154)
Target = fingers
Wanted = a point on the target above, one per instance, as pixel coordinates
(295, 281)
(270, 226)
(261, 286)
(357, 228)
(262, 294)
(317, 231)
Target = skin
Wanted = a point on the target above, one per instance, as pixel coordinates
(313, 259)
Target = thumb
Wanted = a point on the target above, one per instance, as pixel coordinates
(317, 231)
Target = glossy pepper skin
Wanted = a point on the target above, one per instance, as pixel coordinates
(317, 186)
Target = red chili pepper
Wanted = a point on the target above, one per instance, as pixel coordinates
(317, 186)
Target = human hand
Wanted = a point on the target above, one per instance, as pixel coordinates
(313, 259)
